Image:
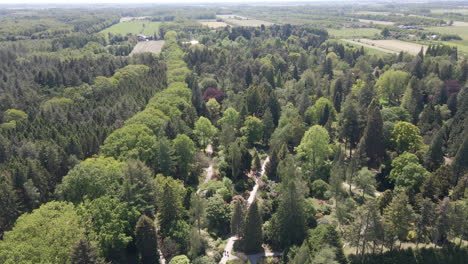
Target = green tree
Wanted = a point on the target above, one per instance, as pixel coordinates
(9, 205)
(231, 117)
(170, 203)
(92, 178)
(252, 130)
(349, 124)
(146, 240)
(398, 217)
(412, 99)
(110, 222)
(184, 152)
(365, 180)
(435, 155)
(253, 229)
(460, 162)
(85, 252)
(407, 173)
(406, 137)
(138, 187)
(237, 218)
(181, 259)
(205, 131)
(322, 111)
(218, 214)
(391, 85)
(47, 235)
(371, 142)
(314, 148)
(164, 156)
(197, 210)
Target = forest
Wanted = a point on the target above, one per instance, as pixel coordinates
(235, 144)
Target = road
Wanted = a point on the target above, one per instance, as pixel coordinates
(376, 194)
(253, 193)
(209, 170)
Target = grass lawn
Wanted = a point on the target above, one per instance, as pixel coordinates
(460, 31)
(134, 27)
(353, 32)
(369, 51)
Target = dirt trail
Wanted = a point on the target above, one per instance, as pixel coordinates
(253, 193)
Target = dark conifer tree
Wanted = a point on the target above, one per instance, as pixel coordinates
(85, 253)
(253, 236)
(146, 240)
(371, 141)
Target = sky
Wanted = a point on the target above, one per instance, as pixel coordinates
(146, 1)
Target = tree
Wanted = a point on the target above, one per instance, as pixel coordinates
(319, 188)
(218, 215)
(9, 205)
(425, 220)
(184, 152)
(385, 32)
(253, 130)
(92, 178)
(197, 210)
(371, 141)
(407, 173)
(365, 180)
(237, 218)
(314, 148)
(253, 229)
(460, 162)
(85, 252)
(164, 156)
(146, 240)
(138, 187)
(230, 117)
(406, 137)
(181, 259)
(398, 217)
(321, 112)
(391, 85)
(412, 99)
(47, 235)
(110, 222)
(349, 124)
(205, 131)
(435, 155)
(170, 203)
(214, 109)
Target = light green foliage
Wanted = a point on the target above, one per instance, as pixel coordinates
(214, 109)
(134, 27)
(230, 117)
(406, 136)
(398, 217)
(110, 222)
(170, 194)
(319, 188)
(205, 131)
(321, 112)
(365, 180)
(46, 235)
(218, 214)
(15, 115)
(391, 85)
(407, 172)
(92, 178)
(135, 141)
(181, 259)
(314, 148)
(153, 118)
(252, 129)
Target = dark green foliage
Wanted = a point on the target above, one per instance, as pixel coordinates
(146, 240)
(371, 141)
(253, 236)
(435, 154)
(85, 253)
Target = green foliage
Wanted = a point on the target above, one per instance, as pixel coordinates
(252, 130)
(184, 153)
(218, 214)
(205, 131)
(85, 252)
(15, 115)
(406, 136)
(371, 142)
(391, 85)
(181, 259)
(314, 148)
(398, 217)
(170, 194)
(146, 240)
(406, 172)
(321, 112)
(47, 235)
(365, 180)
(319, 188)
(253, 229)
(92, 179)
(110, 222)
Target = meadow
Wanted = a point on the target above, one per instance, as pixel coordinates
(353, 32)
(134, 27)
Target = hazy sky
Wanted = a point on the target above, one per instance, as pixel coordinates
(144, 1)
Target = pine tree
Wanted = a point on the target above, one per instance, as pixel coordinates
(338, 94)
(146, 240)
(349, 124)
(412, 99)
(253, 230)
(435, 154)
(460, 162)
(85, 253)
(237, 218)
(372, 141)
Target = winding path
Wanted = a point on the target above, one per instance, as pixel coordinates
(253, 193)
(209, 170)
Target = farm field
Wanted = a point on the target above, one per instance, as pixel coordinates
(153, 46)
(371, 50)
(353, 32)
(461, 31)
(134, 27)
(377, 22)
(243, 21)
(463, 11)
(213, 23)
(391, 45)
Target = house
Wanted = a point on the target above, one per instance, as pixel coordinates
(143, 37)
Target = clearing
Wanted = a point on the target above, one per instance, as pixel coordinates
(353, 32)
(148, 28)
(391, 46)
(241, 21)
(213, 23)
(153, 46)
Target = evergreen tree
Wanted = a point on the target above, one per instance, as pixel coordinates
(371, 141)
(253, 229)
(398, 217)
(85, 253)
(338, 94)
(412, 99)
(146, 240)
(435, 154)
(349, 124)
(460, 162)
(237, 218)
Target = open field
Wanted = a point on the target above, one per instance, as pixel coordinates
(153, 46)
(461, 31)
(134, 27)
(213, 23)
(128, 19)
(353, 32)
(243, 21)
(371, 50)
(463, 11)
(390, 46)
(377, 22)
